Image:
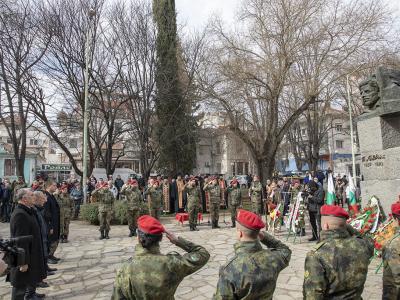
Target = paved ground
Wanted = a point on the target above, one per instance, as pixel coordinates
(88, 265)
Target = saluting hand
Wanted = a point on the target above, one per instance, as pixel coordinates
(172, 237)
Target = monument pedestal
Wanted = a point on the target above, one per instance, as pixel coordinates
(379, 138)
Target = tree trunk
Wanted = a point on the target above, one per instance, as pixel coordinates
(19, 163)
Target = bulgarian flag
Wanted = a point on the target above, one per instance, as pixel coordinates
(330, 196)
(352, 195)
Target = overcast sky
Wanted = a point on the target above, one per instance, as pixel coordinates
(195, 13)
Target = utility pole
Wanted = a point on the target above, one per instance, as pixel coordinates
(91, 15)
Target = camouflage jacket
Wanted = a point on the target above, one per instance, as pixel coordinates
(17, 186)
(337, 268)
(253, 271)
(132, 195)
(391, 268)
(150, 275)
(193, 196)
(105, 198)
(235, 195)
(155, 196)
(214, 192)
(256, 191)
(66, 205)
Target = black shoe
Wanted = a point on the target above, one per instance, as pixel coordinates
(50, 273)
(195, 228)
(51, 269)
(101, 235)
(42, 284)
(130, 233)
(134, 232)
(312, 239)
(191, 228)
(52, 261)
(55, 258)
(106, 236)
(40, 295)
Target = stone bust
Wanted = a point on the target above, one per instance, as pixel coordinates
(369, 90)
(380, 93)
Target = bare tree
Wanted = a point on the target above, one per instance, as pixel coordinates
(23, 42)
(277, 44)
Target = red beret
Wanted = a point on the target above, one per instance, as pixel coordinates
(150, 225)
(396, 208)
(64, 186)
(234, 181)
(335, 211)
(249, 219)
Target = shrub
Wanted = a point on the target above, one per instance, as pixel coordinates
(89, 212)
(120, 213)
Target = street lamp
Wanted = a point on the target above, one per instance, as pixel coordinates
(91, 15)
(353, 156)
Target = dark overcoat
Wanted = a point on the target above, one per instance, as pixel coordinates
(52, 217)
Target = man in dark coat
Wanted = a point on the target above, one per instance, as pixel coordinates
(118, 184)
(52, 217)
(24, 222)
(315, 202)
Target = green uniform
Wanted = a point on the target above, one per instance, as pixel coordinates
(337, 268)
(193, 204)
(66, 205)
(133, 198)
(235, 201)
(391, 268)
(150, 275)
(155, 201)
(256, 195)
(214, 192)
(252, 272)
(105, 198)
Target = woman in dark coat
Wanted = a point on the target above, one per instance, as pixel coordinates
(24, 222)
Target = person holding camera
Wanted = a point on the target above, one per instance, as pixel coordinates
(24, 222)
(315, 202)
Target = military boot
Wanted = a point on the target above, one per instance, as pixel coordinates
(233, 223)
(101, 235)
(216, 224)
(134, 232)
(212, 224)
(195, 228)
(106, 235)
(130, 233)
(191, 227)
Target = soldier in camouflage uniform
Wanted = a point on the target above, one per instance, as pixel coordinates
(133, 197)
(154, 191)
(255, 192)
(15, 186)
(150, 275)
(214, 192)
(66, 205)
(105, 198)
(253, 271)
(337, 268)
(193, 203)
(391, 261)
(235, 195)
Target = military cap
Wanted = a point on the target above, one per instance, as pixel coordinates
(150, 225)
(396, 208)
(334, 211)
(234, 181)
(249, 220)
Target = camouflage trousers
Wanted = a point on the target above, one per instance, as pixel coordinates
(64, 226)
(53, 247)
(256, 206)
(155, 212)
(233, 209)
(104, 220)
(193, 214)
(214, 210)
(133, 215)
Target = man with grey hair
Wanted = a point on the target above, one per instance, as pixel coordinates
(24, 223)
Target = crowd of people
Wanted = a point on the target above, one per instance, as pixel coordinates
(45, 209)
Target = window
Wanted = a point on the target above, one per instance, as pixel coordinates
(339, 127)
(73, 143)
(218, 148)
(339, 144)
(33, 142)
(218, 168)
(9, 141)
(9, 167)
(303, 131)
